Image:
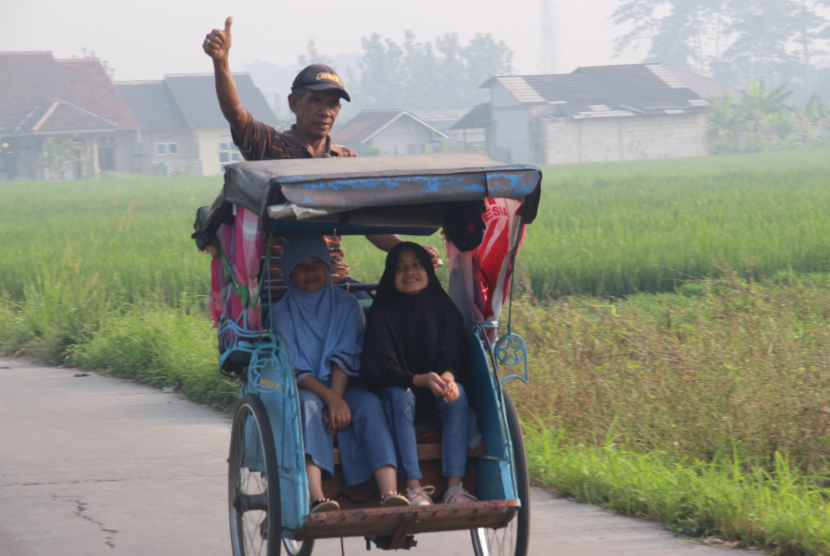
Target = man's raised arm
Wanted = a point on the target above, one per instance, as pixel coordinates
(217, 44)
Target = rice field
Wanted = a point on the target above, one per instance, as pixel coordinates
(603, 229)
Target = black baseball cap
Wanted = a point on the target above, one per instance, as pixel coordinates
(320, 77)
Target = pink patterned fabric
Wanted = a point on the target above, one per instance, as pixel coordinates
(242, 244)
(218, 290)
(480, 279)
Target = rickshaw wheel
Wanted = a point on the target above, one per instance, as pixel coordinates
(512, 540)
(253, 482)
(298, 548)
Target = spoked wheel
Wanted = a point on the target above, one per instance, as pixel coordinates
(298, 548)
(512, 540)
(253, 483)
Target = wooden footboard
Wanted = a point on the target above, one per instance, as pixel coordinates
(402, 521)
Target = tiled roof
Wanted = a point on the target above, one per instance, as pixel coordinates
(606, 91)
(152, 104)
(58, 115)
(704, 86)
(33, 81)
(476, 118)
(195, 95)
(368, 123)
(442, 120)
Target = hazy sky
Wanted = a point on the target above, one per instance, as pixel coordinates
(146, 39)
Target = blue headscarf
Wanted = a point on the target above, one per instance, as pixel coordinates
(322, 327)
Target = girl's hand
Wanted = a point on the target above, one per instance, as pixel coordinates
(338, 414)
(432, 381)
(452, 388)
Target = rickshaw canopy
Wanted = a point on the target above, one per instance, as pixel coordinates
(361, 195)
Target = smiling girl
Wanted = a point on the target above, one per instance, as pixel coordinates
(322, 326)
(415, 354)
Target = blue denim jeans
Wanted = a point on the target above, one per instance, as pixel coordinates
(365, 445)
(400, 408)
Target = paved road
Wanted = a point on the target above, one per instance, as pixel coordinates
(95, 465)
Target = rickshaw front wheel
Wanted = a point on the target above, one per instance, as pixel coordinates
(253, 482)
(512, 540)
(298, 548)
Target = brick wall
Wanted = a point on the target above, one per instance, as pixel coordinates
(627, 138)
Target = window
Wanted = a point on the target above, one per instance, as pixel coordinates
(106, 158)
(167, 148)
(228, 154)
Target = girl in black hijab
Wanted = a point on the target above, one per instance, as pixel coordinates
(415, 355)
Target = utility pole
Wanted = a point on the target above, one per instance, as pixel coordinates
(547, 51)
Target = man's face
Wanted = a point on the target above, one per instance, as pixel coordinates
(316, 112)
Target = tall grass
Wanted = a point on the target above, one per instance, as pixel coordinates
(608, 229)
(131, 235)
(725, 367)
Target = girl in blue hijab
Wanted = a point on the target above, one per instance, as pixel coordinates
(322, 326)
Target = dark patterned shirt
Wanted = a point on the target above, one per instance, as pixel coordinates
(260, 141)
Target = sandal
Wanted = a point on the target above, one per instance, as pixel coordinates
(393, 500)
(324, 505)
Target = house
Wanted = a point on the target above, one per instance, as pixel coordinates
(181, 120)
(388, 131)
(445, 120)
(62, 119)
(595, 114)
(474, 124)
(705, 86)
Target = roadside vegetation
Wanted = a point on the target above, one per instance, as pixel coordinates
(677, 315)
(708, 409)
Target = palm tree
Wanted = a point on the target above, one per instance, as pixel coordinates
(723, 123)
(759, 111)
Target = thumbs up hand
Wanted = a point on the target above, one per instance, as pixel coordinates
(217, 43)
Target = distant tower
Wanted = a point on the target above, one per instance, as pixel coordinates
(547, 52)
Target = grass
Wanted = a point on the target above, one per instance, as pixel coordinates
(727, 501)
(706, 409)
(130, 235)
(609, 229)
(723, 367)
(716, 390)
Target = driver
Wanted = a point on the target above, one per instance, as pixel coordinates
(315, 100)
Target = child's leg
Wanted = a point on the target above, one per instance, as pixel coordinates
(315, 480)
(399, 406)
(319, 445)
(366, 447)
(455, 436)
(387, 479)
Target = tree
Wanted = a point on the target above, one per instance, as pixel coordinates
(723, 124)
(427, 75)
(382, 78)
(681, 33)
(313, 56)
(58, 156)
(763, 121)
(733, 40)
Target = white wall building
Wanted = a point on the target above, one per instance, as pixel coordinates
(388, 132)
(183, 125)
(595, 114)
